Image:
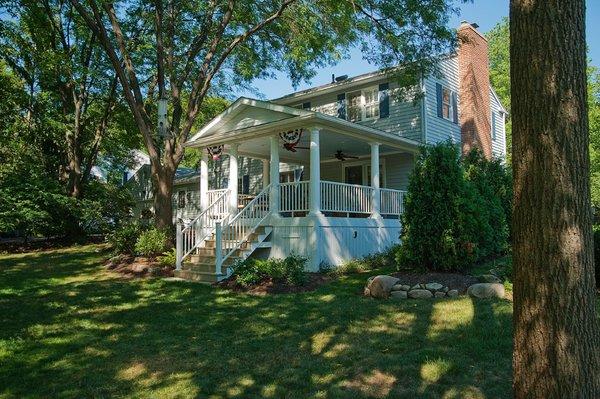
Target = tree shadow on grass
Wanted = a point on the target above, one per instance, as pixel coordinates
(95, 335)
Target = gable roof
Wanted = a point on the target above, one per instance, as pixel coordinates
(234, 119)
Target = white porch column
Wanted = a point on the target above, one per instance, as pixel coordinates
(315, 173)
(204, 181)
(265, 172)
(274, 176)
(376, 192)
(233, 178)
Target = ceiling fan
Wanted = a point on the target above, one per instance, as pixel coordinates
(339, 154)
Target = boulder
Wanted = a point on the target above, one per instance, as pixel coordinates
(398, 294)
(380, 286)
(489, 278)
(440, 294)
(400, 287)
(453, 293)
(434, 286)
(416, 287)
(486, 290)
(420, 294)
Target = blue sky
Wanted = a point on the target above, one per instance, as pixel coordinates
(486, 13)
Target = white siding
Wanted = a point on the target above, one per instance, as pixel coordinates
(440, 129)
(404, 117)
(397, 170)
(499, 143)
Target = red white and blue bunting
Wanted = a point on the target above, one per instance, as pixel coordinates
(291, 138)
(215, 151)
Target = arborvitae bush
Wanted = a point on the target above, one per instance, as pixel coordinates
(453, 211)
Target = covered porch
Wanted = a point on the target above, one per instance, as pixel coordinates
(339, 168)
(340, 195)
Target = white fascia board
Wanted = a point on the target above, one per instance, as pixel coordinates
(237, 106)
(310, 118)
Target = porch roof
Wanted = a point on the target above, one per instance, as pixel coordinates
(251, 119)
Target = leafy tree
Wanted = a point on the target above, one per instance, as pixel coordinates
(187, 51)
(556, 331)
(499, 53)
(70, 85)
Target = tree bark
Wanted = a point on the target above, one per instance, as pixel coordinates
(556, 334)
(163, 189)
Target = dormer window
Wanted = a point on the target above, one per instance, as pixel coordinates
(363, 104)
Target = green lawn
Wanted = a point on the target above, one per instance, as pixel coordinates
(68, 328)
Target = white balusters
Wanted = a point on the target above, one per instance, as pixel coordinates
(294, 196)
(392, 201)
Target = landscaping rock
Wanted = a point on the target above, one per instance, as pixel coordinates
(440, 294)
(420, 294)
(400, 287)
(453, 293)
(380, 286)
(486, 290)
(434, 286)
(416, 287)
(399, 294)
(446, 289)
(489, 278)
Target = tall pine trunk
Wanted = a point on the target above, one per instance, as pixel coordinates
(556, 334)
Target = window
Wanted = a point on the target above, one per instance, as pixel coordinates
(354, 106)
(363, 104)
(181, 199)
(447, 110)
(371, 103)
(493, 125)
(188, 198)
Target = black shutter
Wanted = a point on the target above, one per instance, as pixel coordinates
(438, 89)
(384, 100)
(306, 105)
(455, 108)
(341, 106)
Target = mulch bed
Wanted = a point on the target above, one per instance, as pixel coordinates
(131, 267)
(268, 286)
(454, 281)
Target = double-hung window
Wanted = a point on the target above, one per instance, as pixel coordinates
(363, 104)
(447, 111)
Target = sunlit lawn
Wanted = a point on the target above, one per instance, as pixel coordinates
(71, 329)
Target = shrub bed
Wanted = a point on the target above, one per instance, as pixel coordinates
(288, 271)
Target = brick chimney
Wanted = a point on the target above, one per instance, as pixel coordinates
(474, 91)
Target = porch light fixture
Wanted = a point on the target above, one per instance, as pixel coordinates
(215, 151)
(291, 138)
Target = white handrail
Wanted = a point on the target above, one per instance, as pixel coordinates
(346, 198)
(392, 201)
(236, 230)
(293, 196)
(190, 236)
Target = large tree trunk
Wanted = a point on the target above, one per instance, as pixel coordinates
(163, 191)
(556, 335)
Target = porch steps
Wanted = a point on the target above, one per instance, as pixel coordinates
(201, 265)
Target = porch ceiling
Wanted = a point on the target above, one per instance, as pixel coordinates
(330, 142)
(250, 123)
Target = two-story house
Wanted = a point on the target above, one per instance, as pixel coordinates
(354, 142)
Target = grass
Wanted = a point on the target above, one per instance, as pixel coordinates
(71, 329)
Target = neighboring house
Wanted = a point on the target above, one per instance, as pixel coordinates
(355, 142)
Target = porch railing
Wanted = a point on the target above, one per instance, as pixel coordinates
(345, 198)
(190, 236)
(392, 201)
(214, 194)
(294, 196)
(230, 236)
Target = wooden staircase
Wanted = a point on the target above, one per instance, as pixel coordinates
(201, 264)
